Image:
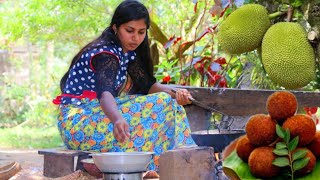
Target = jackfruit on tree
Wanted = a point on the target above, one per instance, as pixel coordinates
(243, 30)
(287, 55)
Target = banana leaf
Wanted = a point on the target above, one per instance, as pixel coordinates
(236, 168)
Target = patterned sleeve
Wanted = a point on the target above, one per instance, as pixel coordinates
(106, 67)
(141, 79)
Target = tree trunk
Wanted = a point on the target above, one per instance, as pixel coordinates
(311, 10)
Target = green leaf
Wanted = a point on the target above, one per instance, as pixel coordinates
(299, 154)
(281, 145)
(297, 3)
(293, 143)
(287, 136)
(280, 152)
(237, 165)
(301, 163)
(291, 1)
(280, 131)
(281, 162)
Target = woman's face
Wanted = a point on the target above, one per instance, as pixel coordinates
(131, 34)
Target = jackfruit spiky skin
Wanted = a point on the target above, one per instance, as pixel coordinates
(287, 55)
(243, 30)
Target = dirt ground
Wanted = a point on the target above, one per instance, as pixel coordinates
(32, 166)
(31, 163)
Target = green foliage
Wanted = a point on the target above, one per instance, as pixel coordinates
(289, 156)
(26, 101)
(168, 68)
(192, 39)
(296, 3)
(67, 25)
(77, 22)
(13, 105)
(59, 20)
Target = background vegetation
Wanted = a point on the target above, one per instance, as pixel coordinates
(38, 39)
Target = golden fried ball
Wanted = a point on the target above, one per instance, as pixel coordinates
(260, 162)
(310, 166)
(281, 105)
(301, 125)
(244, 148)
(314, 146)
(261, 130)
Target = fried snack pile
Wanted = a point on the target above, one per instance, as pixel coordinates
(257, 146)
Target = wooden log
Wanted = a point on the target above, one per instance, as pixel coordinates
(60, 162)
(58, 165)
(246, 102)
(187, 164)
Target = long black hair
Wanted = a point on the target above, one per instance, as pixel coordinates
(126, 11)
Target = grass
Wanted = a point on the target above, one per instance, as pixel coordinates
(30, 138)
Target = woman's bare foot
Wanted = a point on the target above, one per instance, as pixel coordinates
(151, 175)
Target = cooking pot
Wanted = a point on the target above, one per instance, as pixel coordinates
(215, 138)
(122, 162)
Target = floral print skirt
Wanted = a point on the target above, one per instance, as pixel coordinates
(157, 124)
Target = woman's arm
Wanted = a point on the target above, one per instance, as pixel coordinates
(157, 87)
(148, 84)
(106, 67)
(182, 96)
(109, 107)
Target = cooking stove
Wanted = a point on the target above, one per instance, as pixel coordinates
(123, 176)
(219, 174)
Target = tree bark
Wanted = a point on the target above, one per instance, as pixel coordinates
(311, 9)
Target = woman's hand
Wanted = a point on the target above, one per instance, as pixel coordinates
(121, 130)
(183, 96)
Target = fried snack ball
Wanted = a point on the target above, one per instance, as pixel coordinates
(303, 126)
(311, 164)
(261, 130)
(244, 148)
(314, 146)
(281, 105)
(260, 162)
